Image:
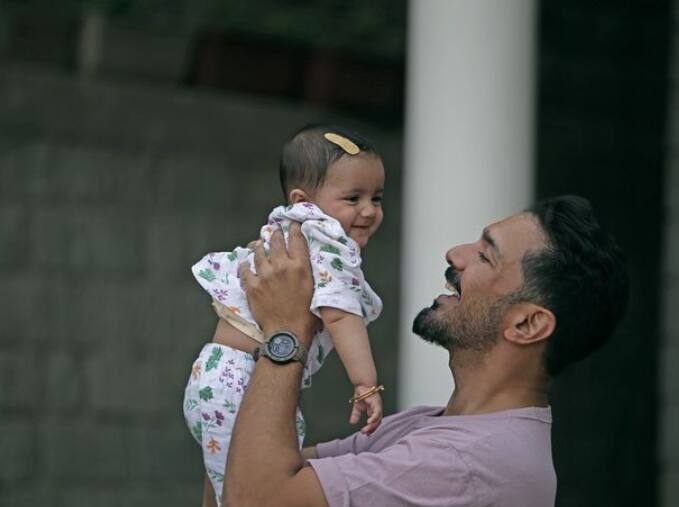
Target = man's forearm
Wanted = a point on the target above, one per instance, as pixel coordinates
(264, 449)
(265, 467)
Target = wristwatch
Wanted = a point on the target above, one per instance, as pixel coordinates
(282, 347)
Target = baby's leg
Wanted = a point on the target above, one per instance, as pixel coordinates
(226, 334)
(208, 494)
(225, 376)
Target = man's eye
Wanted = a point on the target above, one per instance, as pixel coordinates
(483, 257)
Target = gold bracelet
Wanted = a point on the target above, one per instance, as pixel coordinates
(367, 394)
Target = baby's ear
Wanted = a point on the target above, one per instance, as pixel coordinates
(298, 195)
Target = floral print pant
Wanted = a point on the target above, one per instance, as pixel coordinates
(217, 383)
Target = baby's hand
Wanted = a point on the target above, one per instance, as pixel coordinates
(372, 406)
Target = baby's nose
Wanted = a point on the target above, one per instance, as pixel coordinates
(368, 210)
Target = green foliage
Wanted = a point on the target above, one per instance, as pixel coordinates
(362, 28)
(370, 28)
(70, 5)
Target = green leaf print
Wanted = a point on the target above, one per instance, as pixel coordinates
(205, 393)
(337, 264)
(214, 358)
(208, 274)
(215, 475)
(301, 427)
(330, 249)
(343, 240)
(197, 430)
(321, 354)
(232, 256)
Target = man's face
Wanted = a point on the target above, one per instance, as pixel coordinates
(481, 279)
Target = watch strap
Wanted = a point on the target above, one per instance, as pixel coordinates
(301, 353)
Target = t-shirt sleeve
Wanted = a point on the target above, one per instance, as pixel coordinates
(353, 444)
(410, 472)
(336, 264)
(393, 428)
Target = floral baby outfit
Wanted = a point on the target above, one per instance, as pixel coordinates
(221, 374)
(213, 395)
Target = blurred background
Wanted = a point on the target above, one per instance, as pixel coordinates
(135, 136)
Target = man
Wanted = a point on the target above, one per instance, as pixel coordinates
(536, 292)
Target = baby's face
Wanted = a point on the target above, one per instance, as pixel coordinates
(352, 193)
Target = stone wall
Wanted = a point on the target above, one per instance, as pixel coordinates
(108, 192)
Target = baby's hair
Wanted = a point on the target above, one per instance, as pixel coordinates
(307, 156)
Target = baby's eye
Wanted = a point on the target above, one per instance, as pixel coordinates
(377, 199)
(352, 198)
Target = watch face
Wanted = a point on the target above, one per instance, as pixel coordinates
(281, 346)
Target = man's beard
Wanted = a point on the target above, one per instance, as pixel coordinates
(473, 326)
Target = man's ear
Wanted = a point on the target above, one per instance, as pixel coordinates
(298, 195)
(529, 323)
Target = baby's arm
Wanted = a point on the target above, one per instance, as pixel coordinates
(350, 337)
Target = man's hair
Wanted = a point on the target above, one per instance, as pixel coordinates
(580, 275)
(307, 155)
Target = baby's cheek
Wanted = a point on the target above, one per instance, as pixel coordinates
(378, 221)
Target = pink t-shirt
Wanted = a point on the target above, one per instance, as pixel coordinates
(419, 458)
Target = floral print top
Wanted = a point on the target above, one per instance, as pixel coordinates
(336, 266)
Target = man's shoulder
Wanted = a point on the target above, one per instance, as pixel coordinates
(509, 430)
(512, 444)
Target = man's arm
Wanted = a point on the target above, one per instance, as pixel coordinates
(309, 453)
(265, 466)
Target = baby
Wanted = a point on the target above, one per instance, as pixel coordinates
(333, 181)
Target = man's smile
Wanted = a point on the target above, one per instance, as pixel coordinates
(453, 283)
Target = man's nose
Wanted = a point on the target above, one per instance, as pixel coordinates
(456, 257)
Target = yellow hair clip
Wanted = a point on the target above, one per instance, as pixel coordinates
(342, 142)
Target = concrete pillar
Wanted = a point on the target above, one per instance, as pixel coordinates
(468, 156)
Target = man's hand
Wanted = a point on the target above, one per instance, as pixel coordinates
(280, 293)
